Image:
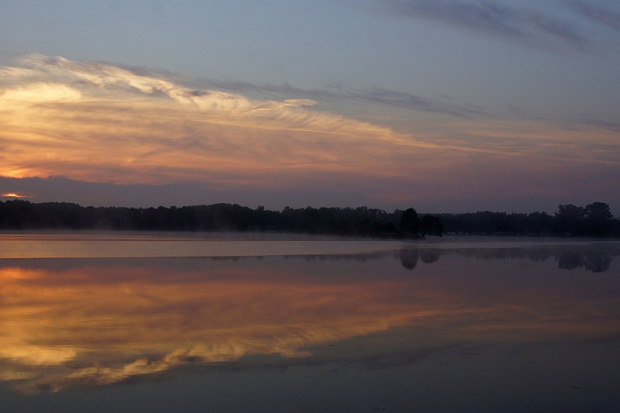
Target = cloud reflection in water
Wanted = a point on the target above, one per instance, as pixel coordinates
(75, 323)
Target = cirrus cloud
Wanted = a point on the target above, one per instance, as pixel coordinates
(530, 27)
(94, 121)
(145, 132)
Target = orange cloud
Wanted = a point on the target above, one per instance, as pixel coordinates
(108, 124)
(102, 123)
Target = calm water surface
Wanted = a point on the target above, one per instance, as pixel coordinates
(134, 322)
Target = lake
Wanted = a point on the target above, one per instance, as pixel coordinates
(130, 322)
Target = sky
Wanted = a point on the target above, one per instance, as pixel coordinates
(444, 106)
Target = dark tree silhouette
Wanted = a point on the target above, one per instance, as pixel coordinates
(409, 222)
(571, 218)
(598, 217)
(431, 225)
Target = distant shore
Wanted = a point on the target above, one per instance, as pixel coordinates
(570, 221)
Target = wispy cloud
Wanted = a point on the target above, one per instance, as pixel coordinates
(411, 101)
(602, 124)
(527, 26)
(95, 121)
(376, 95)
(599, 14)
(100, 123)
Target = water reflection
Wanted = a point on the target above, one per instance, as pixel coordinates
(595, 257)
(95, 322)
(91, 325)
(409, 257)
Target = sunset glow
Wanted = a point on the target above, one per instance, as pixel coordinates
(14, 195)
(334, 206)
(106, 124)
(436, 107)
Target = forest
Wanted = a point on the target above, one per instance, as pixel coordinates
(592, 220)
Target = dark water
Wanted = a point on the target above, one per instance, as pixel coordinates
(369, 327)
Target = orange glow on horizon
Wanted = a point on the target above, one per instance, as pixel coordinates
(14, 195)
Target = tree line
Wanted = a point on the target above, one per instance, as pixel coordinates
(362, 221)
(592, 220)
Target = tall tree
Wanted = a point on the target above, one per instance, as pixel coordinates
(409, 222)
(431, 225)
(570, 218)
(598, 217)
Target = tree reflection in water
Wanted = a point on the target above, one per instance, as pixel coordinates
(596, 258)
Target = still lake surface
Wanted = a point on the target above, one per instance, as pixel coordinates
(130, 322)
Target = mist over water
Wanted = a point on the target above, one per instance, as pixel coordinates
(115, 245)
